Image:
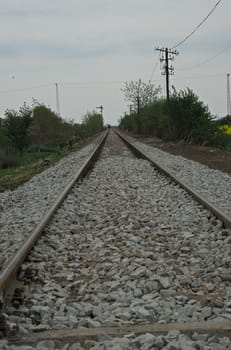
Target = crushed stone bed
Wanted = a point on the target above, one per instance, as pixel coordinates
(128, 247)
(23, 208)
(214, 185)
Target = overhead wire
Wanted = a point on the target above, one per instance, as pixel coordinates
(92, 82)
(24, 89)
(61, 83)
(198, 26)
(202, 76)
(208, 59)
(154, 69)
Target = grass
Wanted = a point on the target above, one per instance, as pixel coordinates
(27, 165)
(31, 163)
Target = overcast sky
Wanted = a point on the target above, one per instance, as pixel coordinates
(91, 47)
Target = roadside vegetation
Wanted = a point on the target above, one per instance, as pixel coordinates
(225, 126)
(186, 118)
(34, 138)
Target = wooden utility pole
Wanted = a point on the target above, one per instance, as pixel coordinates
(101, 109)
(228, 96)
(57, 99)
(167, 55)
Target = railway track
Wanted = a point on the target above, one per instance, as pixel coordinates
(129, 251)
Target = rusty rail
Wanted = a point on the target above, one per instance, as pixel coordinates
(208, 327)
(14, 264)
(206, 204)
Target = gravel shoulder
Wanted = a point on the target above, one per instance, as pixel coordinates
(212, 157)
(212, 184)
(23, 208)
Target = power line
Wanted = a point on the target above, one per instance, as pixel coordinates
(208, 59)
(202, 76)
(24, 89)
(93, 82)
(62, 83)
(214, 56)
(154, 68)
(198, 26)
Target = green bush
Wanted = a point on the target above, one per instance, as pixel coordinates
(4, 140)
(92, 123)
(154, 118)
(223, 141)
(187, 119)
(190, 118)
(16, 126)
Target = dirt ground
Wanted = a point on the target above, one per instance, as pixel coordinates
(214, 158)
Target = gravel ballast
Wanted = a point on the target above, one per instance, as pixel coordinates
(214, 185)
(127, 247)
(22, 209)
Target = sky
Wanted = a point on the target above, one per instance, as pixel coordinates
(90, 48)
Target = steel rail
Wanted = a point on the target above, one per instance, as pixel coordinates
(14, 264)
(202, 200)
(76, 334)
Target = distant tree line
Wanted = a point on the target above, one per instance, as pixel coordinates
(37, 126)
(186, 118)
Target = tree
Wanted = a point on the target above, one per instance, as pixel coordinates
(153, 121)
(155, 118)
(42, 125)
(92, 123)
(48, 128)
(17, 126)
(191, 118)
(140, 94)
(128, 122)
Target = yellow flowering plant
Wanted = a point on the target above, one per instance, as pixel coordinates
(226, 129)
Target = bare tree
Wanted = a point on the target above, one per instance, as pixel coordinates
(140, 94)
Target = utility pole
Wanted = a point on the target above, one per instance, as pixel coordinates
(101, 109)
(138, 106)
(167, 55)
(228, 96)
(57, 99)
(130, 109)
